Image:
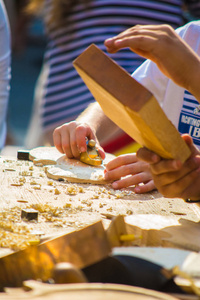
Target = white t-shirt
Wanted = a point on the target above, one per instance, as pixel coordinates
(5, 60)
(179, 105)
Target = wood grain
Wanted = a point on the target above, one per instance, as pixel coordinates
(128, 104)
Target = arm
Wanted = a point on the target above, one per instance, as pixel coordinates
(98, 121)
(155, 42)
(124, 170)
(92, 123)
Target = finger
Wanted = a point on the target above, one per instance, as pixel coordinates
(101, 151)
(153, 31)
(130, 31)
(65, 142)
(123, 183)
(132, 180)
(120, 172)
(112, 175)
(169, 171)
(142, 39)
(141, 45)
(64, 139)
(145, 188)
(73, 148)
(57, 140)
(120, 161)
(147, 29)
(165, 166)
(147, 155)
(178, 188)
(192, 190)
(82, 132)
(187, 138)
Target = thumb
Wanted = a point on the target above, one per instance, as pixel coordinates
(187, 138)
(101, 151)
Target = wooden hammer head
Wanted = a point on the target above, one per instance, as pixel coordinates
(130, 105)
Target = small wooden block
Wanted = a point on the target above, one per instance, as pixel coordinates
(23, 154)
(29, 214)
(116, 229)
(130, 105)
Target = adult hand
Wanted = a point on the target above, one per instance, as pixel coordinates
(155, 42)
(139, 173)
(70, 139)
(171, 177)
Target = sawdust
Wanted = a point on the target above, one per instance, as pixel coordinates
(64, 207)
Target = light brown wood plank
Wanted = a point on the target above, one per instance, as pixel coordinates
(128, 104)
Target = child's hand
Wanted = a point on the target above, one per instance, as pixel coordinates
(128, 164)
(70, 139)
(155, 42)
(171, 177)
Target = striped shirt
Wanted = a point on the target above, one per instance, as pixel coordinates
(65, 95)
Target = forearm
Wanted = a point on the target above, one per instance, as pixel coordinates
(98, 121)
(155, 43)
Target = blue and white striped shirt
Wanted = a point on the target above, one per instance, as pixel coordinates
(65, 95)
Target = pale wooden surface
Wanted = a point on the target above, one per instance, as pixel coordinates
(64, 207)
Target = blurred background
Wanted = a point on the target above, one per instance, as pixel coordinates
(28, 46)
(26, 66)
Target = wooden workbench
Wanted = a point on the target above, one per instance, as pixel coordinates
(65, 207)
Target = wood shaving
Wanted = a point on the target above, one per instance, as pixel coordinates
(72, 190)
(50, 182)
(9, 169)
(56, 192)
(37, 187)
(33, 182)
(81, 189)
(17, 184)
(88, 203)
(26, 173)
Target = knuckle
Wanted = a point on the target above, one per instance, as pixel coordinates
(80, 127)
(167, 27)
(107, 175)
(56, 131)
(191, 164)
(66, 147)
(72, 144)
